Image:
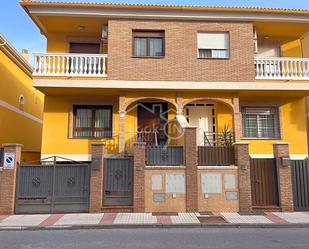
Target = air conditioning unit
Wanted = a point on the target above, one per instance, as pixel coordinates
(104, 32)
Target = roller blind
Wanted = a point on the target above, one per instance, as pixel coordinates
(213, 40)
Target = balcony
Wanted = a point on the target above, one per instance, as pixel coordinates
(70, 65)
(282, 68)
(95, 65)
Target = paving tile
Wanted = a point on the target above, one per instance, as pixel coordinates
(24, 220)
(275, 219)
(296, 217)
(135, 218)
(108, 218)
(51, 220)
(185, 218)
(79, 219)
(245, 219)
(164, 219)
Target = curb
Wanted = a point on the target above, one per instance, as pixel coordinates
(166, 226)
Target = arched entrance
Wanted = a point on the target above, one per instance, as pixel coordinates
(150, 116)
(213, 118)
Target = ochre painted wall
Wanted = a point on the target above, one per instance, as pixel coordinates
(292, 112)
(291, 49)
(56, 131)
(14, 127)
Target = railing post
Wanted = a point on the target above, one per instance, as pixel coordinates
(139, 177)
(96, 177)
(242, 160)
(191, 169)
(281, 153)
(8, 177)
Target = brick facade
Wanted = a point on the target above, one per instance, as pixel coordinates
(180, 61)
(96, 179)
(242, 160)
(191, 169)
(284, 177)
(139, 177)
(8, 180)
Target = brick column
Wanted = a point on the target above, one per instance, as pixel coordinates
(281, 150)
(122, 115)
(191, 169)
(139, 177)
(242, 160)
(8, 179)
(96, 178)
(237, 124)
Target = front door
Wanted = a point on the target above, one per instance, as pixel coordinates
(152, 119)
(201, 116)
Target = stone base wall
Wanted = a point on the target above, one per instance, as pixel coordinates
(223, 201)
(173, 202)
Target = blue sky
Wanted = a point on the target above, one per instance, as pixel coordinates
(22, 33)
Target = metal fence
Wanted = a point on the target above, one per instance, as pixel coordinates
(216, 155)
(164, 155)
(300, 180)
(1, 156)
(52, 188)
(118, 181)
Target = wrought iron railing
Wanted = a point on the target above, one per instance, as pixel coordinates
(1, 156)
(164, 155)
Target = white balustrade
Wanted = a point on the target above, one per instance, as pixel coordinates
(282, 68)
(77, 65)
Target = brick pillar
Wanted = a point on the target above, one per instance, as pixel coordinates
(242, 160)
(191, 169)
(139, 177)
(121, 142)
(281, 150)
(8, 179)
(96, 178)
(237, 124)
(122, 114)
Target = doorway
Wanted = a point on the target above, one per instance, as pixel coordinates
(202, 116)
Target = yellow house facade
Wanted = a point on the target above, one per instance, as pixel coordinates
(121, 74)
(21, 105)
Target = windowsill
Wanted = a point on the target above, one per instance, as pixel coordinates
(260, 138)
(92, 138)
(148, 57)
(227, 58)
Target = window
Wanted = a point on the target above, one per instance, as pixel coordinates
(213, 45)
(92, 121)
(260, 122)
(148, 43)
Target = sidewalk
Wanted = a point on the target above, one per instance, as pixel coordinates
(127, 220)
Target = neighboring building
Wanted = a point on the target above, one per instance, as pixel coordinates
(117, 74)
(21, 105)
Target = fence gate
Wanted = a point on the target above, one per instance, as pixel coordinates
(55, 188)
(300, 180)
(264, 183)
(118, 181)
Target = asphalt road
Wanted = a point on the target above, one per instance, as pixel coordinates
(170, 238)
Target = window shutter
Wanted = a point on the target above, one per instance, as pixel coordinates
(213, 40)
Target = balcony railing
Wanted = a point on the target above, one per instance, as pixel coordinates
(77, 65)
(282, 68)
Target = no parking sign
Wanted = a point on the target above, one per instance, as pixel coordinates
(9, 160)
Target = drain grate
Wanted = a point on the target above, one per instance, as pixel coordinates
(212, 220)
(164, 214)
(252, 213)
(206, 213)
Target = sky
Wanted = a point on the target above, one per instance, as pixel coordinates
(19, 29)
